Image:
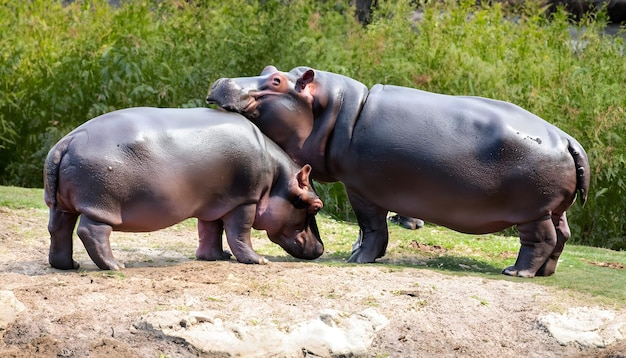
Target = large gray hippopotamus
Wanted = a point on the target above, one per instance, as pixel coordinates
(472, 164)
(144, 169)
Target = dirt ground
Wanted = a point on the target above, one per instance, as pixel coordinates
(100, 314)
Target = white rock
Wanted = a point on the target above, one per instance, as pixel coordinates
(331, 333)
(10, 308)
(586, 326)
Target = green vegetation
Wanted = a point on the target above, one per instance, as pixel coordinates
(62, 65)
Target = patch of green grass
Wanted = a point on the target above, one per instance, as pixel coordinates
(187, 224)
(482, 301)
(21, 198)
(582, 269)
(370, 301)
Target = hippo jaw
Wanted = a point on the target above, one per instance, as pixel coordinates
(304, 244)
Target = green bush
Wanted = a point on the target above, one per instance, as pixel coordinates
(62, 65)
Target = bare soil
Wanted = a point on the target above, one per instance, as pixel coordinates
(99, 314)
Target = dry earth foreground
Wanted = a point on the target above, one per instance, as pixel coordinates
(166, 304)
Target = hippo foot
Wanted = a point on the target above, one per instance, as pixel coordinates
(112, 265)
(369, 252)
(513, 271)
(406, 222)
(258, 261)
(218, 255)
(63, 264)
(548, 268)
(362, 256)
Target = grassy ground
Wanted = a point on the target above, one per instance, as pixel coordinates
(598, 273)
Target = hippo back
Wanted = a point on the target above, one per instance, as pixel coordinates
(133, 157)
(473, 154)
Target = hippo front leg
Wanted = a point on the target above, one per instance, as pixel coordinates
(210, 241)
(61, 228)
(373, 234)
(539, 240)
(238, 225)
(95, 237)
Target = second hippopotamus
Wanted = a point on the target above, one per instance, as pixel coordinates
(472, 164)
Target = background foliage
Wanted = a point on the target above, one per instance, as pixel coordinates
(61, 65)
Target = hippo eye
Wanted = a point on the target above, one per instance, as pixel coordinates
(298, 203)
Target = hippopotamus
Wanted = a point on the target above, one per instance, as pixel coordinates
(144, 169)
(472, 164)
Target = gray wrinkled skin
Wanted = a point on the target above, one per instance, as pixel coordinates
(144, 169)
(472, 164)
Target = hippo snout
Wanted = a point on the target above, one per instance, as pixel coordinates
(228, 95)
(306, 248)
(211, 99)
(213, 96)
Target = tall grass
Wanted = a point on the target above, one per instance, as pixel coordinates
(62, 65)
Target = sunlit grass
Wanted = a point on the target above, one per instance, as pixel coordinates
(21, 198)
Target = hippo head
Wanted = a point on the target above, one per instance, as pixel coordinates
(289, 217)
(279, 103)
(248, 95)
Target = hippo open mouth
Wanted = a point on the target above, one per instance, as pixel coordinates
(250, 109)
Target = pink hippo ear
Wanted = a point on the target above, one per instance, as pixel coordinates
(304, 80)
(306, 197)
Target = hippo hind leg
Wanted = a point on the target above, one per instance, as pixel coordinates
(562, 235)
(539, 242)
(95, 237)
(61, 227)
(407, 222)
(210, 241)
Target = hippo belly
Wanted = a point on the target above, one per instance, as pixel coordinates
(456, 162)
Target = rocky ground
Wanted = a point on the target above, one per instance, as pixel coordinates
(166, 304)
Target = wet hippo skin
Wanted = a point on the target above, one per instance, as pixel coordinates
(144, 169)
(472, 164)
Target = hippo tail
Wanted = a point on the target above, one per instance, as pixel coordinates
(51, 170)
(583, 173)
